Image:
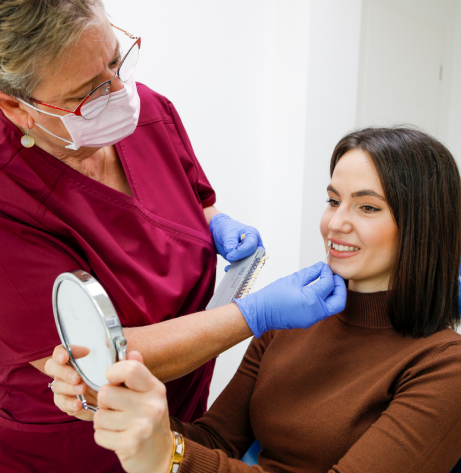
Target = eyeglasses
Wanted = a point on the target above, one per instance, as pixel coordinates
(99, 97)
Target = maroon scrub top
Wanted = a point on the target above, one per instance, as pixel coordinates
(152, 252)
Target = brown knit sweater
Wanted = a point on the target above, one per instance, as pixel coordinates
(348, 395)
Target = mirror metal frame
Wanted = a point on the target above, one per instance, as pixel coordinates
(105, 310)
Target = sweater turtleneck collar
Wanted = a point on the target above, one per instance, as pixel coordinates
(366, 309)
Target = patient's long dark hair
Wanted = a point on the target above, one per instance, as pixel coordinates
(422, 186)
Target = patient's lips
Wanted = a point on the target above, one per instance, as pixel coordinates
(342, 249)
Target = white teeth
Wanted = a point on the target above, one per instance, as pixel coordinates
(342, 247)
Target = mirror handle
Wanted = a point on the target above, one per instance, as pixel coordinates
(121, 344)
(85, 405)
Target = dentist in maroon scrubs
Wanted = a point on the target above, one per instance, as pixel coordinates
(97, 173)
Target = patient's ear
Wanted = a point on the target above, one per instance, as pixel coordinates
(14, 110)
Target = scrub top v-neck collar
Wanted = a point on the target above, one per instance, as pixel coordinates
(91, 184)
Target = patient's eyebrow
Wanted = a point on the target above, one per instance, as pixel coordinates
(369, 192)
(332, 189)
(361, 193)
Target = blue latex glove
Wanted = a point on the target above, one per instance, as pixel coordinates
(226, 235)
(290, 303)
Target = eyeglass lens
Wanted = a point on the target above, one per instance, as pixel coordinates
(129, 64)
(99, 98)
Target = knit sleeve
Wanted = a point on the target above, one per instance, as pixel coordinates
(420, 431)
(225, 430)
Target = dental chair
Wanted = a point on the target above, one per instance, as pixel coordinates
(251, 456)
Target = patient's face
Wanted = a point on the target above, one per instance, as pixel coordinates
(359, 224)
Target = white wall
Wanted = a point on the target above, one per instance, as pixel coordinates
(444, 13)
(402, 58)
(397, 66)
(331, 106)
(454, 124)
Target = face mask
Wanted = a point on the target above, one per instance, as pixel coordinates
(117, 121)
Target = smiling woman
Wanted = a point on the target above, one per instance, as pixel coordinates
(358, 225)
(394, 194)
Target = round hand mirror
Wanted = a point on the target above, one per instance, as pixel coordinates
(85, 317)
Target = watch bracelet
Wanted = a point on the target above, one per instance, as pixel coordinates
(178, 452)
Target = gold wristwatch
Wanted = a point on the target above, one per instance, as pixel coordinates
(178, 452)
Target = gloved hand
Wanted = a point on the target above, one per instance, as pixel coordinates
(290, 303)
(226, 235)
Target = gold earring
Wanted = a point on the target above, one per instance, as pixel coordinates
(27, 141)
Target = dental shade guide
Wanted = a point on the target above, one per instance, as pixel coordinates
(239, 279)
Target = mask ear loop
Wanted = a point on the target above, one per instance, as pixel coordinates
(71, 145)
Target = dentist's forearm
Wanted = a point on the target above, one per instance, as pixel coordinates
(210, 212)
(173, 348)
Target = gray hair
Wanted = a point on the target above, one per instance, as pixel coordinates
(33, 36)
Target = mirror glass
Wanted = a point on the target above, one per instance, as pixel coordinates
(85, 317)
(82, 325)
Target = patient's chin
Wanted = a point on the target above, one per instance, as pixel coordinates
(340, 270)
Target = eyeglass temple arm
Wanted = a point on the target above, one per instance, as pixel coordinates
(126, 32)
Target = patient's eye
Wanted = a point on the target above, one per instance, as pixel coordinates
(369, 209)
(333, 202)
